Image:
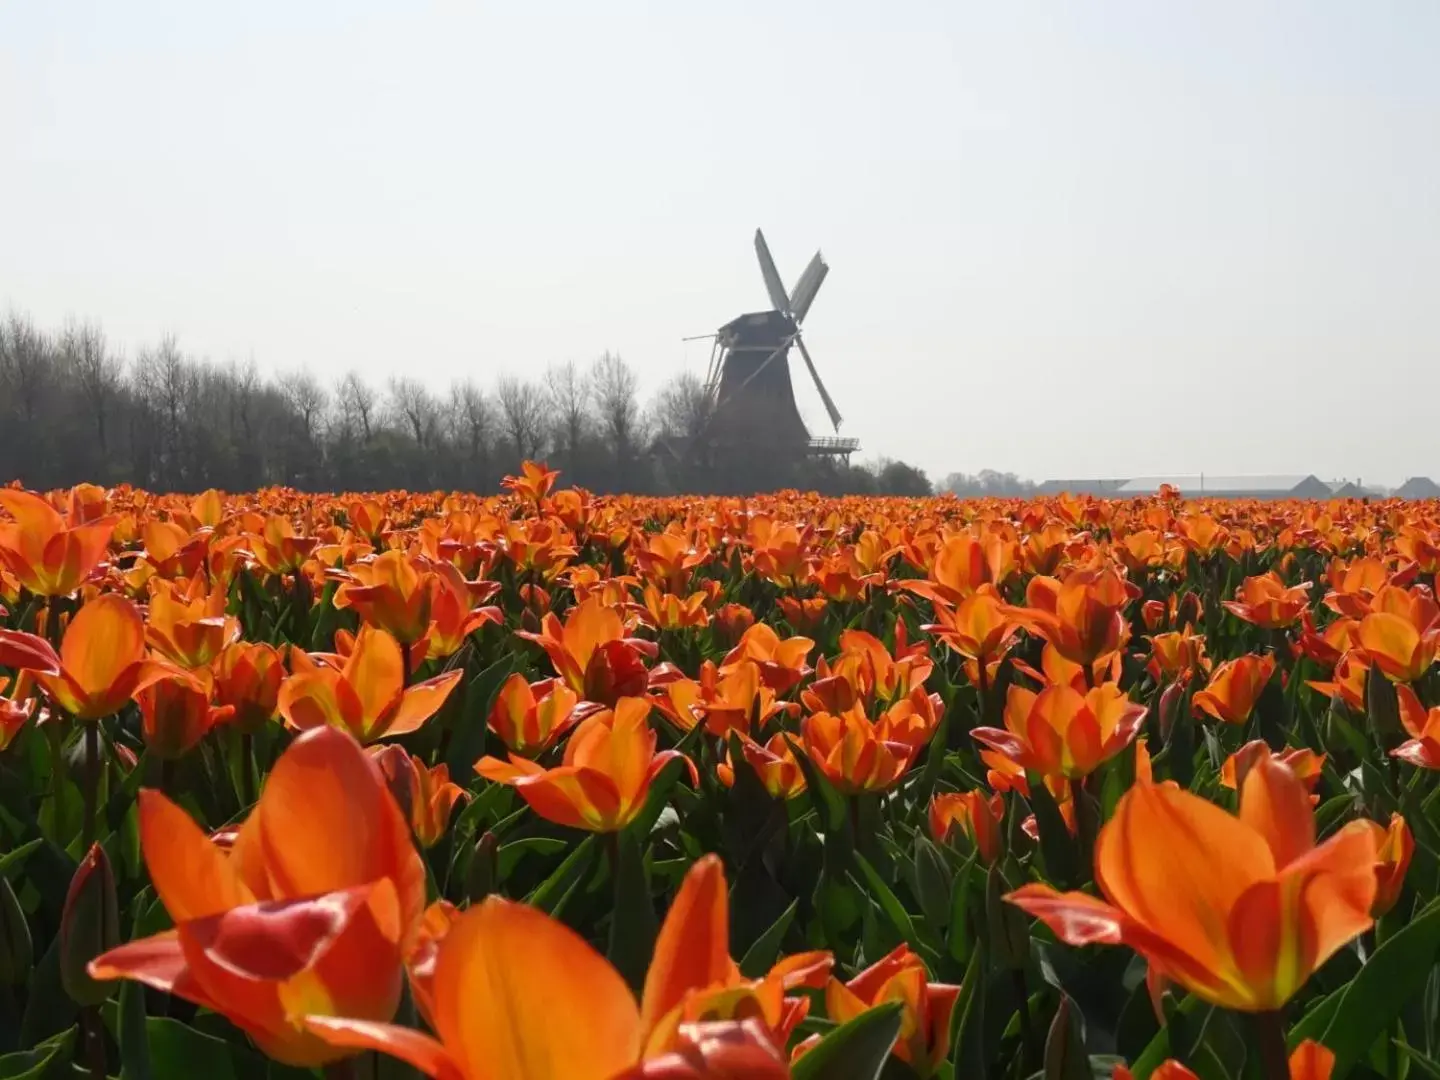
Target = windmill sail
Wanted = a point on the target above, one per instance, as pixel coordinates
(830, 408)
(803, 295)
(773, 284)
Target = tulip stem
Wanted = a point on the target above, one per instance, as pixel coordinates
(1027, 1025)
(1270, 1035)
(92, 782)
(247, 769)
(93, 1042)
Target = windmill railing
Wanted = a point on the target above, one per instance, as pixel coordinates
(833, 444)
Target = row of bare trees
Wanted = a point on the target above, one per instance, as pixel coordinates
(73, 409)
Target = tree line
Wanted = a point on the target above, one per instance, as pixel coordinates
(74, 409)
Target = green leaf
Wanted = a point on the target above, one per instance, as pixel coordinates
(131, 1034)
(854, 1051)
(42, 1061)
(177, 1049)
(1065, 1057)
(11, 860)
(511, 853)
(1394, 976)
(632, 923)
(761, 956)
(889, 903)
(1057, 846)
(1428, 1065)
(827, 801)
(553, 890)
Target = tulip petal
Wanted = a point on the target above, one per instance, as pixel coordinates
(324, 787)
(506, 973)
(104, 640)
(420, 702)
(192, 877)
(1275, 804)
(406, 1044)
(1154, 860)
(693, 948)
(375, 670)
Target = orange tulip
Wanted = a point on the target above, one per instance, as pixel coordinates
(980, 628)
(454, 615)
(1348, 683)
(1309, 1061)
(425, 795)
(1176, 655)
(1422, 749)
(101, 662)
(278, 548)
(392, 591)
(534, 482)
(503, 972)
(715, 1050)
(532, 717)
(591, 653)
(176, 713)
(731, 622)
(926, 1007)
(804, 614)
(191, 629)
(1062, 731)
(605, 777)
(853, 753)
(367, 696)
(48, 555)
(782, 662)
(1234, 688)
(1081, 616)
(1394, 846)
(668, 611)
(311, 911)
(972, 814)
(774, 764)
(1305, 763)
(736, 701)
(1401, 633)
(247, 678)
(15, 709)
(1237, 910)
(1267, 602)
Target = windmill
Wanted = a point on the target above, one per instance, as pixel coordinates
(751, 398)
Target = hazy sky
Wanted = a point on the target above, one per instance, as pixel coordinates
(1072, 239)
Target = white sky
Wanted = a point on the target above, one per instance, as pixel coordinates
(1099, 238)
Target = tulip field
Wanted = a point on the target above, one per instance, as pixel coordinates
(544, 785)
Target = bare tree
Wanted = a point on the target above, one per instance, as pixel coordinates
(682, 408)
(616, 389)
(522, 413)
(356, 399)
(97, 374)
(25, 366)
(415, 409)
(569, 401)
(307, 397)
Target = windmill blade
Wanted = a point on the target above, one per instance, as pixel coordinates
(803, 295)
(824, 394)
(773, 284)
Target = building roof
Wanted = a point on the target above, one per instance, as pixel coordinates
(1418, 487)
(1205, 484)
(1080, 487)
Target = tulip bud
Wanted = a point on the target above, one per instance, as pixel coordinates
(1394, 847)
(731, 621)
(484, 868)
(17, 952)
(1153, 612)
(1065, 1055)
(89, 926)
(399, 775)
(1170, 708)
(1190, 610)
(529, 621)
(615, 671)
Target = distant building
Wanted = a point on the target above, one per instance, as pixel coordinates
(1108, 489)
(1203, 486)
(1418, 487)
